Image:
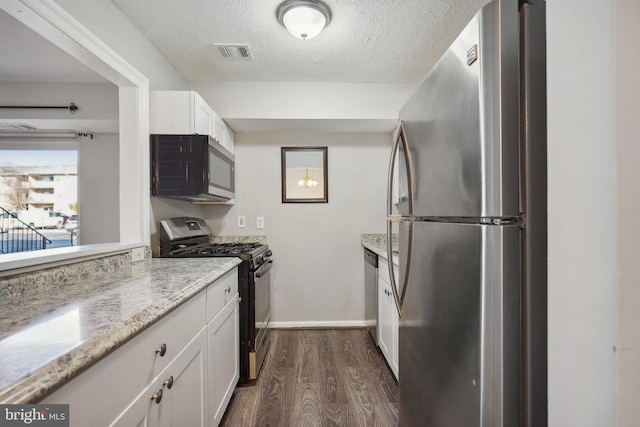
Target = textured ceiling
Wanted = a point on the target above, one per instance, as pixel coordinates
(367, 41)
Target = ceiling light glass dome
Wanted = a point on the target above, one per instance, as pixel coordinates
(304, 19)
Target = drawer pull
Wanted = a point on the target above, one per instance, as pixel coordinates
(168, 382)
(228, 290)
(157, 397)
(239, 300)
(162, 350)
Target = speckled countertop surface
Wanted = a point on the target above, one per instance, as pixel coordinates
(48, 337)
(378, 244)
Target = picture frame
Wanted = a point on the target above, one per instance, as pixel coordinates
(304, 175)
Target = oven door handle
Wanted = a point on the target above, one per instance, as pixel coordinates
(263, 269)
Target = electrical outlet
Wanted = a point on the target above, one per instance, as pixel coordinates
(137, 254)
(242, 221)
(260, 222)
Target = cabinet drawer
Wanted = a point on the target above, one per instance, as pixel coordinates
(131, 368)
(221, 292)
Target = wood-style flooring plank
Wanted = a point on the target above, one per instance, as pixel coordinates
(318, 378)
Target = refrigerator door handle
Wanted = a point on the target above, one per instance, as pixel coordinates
(400, 296)
(400, 142)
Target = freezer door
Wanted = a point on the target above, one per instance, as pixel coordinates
(461, 124)
(459, 336)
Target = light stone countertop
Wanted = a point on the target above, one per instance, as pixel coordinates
(378, 244)
(49, 337)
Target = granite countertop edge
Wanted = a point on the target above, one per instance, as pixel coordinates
(46, 379)
(376, 244)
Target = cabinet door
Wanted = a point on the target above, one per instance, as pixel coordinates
(229, 139)
(135, 415)
(219, 131)
(395, 320)
(384, 318)
(224, 345)
(204, 117)
(183, 387)
(388, 321)
(171, 112)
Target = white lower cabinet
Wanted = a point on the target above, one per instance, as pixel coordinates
(224, 357)
(388, 319)
(180, 394)
(181, 371)
(135, 415)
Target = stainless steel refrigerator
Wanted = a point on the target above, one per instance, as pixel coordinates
(467, 210)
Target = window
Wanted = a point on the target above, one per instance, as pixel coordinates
(131, 161)
(24, 188)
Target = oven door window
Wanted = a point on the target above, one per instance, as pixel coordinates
(221, 171)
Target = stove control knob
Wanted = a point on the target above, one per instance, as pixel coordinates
(268, 252)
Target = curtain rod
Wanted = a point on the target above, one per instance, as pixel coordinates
(71, 107)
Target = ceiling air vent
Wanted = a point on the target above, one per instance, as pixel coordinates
(234, 51)
(16, 127)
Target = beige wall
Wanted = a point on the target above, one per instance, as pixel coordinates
(318, 275)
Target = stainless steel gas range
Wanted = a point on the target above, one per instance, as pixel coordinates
(186, 237)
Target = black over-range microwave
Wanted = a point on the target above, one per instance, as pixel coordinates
(191, 167)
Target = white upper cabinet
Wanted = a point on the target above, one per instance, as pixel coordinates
(186, 113)
(219, 130)
(180, 113)
(205, 117)
(229, 139)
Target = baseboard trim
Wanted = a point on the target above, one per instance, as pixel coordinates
(319, 324)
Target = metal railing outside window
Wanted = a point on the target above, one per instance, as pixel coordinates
(17, 236)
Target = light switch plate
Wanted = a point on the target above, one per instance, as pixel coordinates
(260, 222)
(242, 221)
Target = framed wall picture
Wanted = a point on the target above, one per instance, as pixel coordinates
(304, 175)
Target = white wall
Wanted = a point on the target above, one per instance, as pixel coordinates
(306, 106)
(106, 21)
(627, 128)
(582, 213)
(97, 105)
(318, 273)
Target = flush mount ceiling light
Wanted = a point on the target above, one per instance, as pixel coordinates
(304, 19)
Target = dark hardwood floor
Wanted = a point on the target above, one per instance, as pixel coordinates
(318, 377)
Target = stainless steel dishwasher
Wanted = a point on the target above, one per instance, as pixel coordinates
(371, 293)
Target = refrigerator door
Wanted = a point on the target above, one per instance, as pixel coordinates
(460, 332)
(461, 124)
(400, 241)
(400, 182)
